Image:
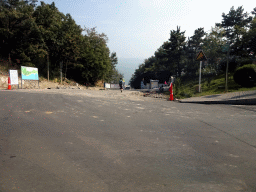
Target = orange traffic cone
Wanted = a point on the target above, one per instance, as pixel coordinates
(9, 84)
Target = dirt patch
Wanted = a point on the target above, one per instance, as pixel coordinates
(43, 84)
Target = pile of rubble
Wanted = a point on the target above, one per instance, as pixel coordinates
(43, 84)
(156, 95)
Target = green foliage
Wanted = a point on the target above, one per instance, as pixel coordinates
(181, 90)
(174, 51)
(216, 85)
(33, 33)
(235, 23)
(25, 72)
(191, 49)
(250, 38)
(245, 75)
(177, 55)
(212, 46)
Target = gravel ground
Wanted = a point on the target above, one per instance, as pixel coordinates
(54, 88)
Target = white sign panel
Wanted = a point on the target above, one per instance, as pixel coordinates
(114, 86)
(14, 77)
(107, 85)
(154, 84)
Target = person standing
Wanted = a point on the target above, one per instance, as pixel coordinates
(142, 84)
(121, 85)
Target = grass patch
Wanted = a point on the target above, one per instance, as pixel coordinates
(216, 85)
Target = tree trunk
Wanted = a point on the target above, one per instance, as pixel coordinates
(66, 70)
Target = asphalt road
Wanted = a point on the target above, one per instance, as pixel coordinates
(81, 140)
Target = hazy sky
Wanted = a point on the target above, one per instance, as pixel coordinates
(137, 28)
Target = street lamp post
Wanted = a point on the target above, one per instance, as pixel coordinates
(226, 48)
(226, 86)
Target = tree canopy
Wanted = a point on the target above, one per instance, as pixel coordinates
(236, 31)
(30, 34)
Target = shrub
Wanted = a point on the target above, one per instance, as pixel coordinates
(245, 75)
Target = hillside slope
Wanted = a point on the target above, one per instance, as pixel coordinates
(43, 83)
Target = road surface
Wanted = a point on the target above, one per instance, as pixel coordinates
(81, 140)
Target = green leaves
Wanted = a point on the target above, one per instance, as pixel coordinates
(31, 33)
(174, 50)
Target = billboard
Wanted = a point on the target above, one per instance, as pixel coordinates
(29, 73)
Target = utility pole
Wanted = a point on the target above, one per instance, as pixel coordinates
(9, 62)
(226, 85)
(199, 88)
(48, 73)
(61, 64)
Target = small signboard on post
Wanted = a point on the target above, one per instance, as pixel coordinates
(200, 57)
(14, 77)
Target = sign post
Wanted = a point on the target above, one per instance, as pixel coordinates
(199, 88)
(200, 57)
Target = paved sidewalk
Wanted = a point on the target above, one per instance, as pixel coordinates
(235, 98)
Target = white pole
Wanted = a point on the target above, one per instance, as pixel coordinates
(199, 88)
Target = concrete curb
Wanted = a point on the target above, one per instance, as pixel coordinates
(226, 102)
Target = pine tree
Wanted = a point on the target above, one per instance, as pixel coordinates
(174, 50)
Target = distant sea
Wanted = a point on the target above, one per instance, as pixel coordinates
(127, 66)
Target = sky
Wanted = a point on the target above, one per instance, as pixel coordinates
(137, 28)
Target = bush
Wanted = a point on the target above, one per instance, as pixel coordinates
(245, 75)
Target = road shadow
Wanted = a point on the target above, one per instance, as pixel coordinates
(243, 95)
(211, 96)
